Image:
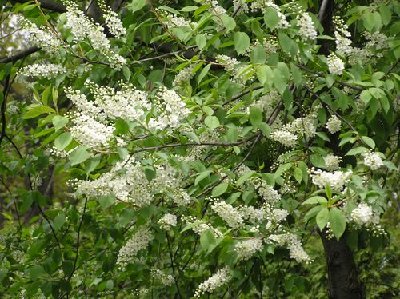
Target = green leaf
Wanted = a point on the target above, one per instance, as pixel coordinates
(288, 45)
(208, 241)
(202, 176)
(59, 221)
(228, 22)
(322, 218)
(337, 222)
(136, 5)
(259, 55)
(368, 141)
(241, 42)
(35, 111)
(255, 116)
(63, 140)
(356, 151)
(79, 155)
(59, 122)
(264, 74)
(203, 73)
(315, 200)
(201, 41)
(219, 189)
(298, 174)
(212, 122)
(271, 17)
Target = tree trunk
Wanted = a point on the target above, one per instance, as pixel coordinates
(343, 281)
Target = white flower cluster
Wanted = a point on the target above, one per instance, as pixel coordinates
(42, 70)
(307, 29)
(127, 103)
(171, 110)
(126, 181)
(372, 49)
(167, 221)
(228, 213)
(215, 281)
(172, 20)
(372, 160)
(230, 64)
(42, 37)
(216, 9)
(114, 23)
(139, 241)
(267, 192)
(288, 135)
(284, 137)
(333, 124)
(183, 77)
(342, 36)
(240, 6)
(335, 64)
(332, 162)
(82, 28)
(246, 249)
(263, 4)
(293, 244)
(92, 123)
(252, 214)
(165, 279)
(336, 180)
(199, 226)
(362, 215)
(90, 132)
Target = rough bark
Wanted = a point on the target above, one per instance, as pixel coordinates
(343, 278)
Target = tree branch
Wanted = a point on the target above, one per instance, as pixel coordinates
(19, 55)
(46, 4)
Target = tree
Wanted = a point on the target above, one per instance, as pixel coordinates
(178, 149)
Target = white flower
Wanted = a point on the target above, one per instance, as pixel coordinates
(42, 70)
(183, 77)
(336, 180)
(199, 226)
(42, 37)
(333, 124)
(293, 244)
(362, 214)
(246, 249)
(90, 132)
(285, 137)
(167, 221)
(215, 281)
(332, 162)
(307, 28)
(229, 63)
(228, 213)
(279, 214)
(114, 23)
(372, 160)
(263, 4)
(335, 64)
(139, 241)
(240, 6)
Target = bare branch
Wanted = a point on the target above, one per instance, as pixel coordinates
(19, 55)
(46, 4)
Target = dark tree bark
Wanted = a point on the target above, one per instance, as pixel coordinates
(343, 278)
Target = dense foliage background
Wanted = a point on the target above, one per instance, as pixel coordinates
(171, 149)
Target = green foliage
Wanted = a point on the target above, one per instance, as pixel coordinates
(202, 139)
